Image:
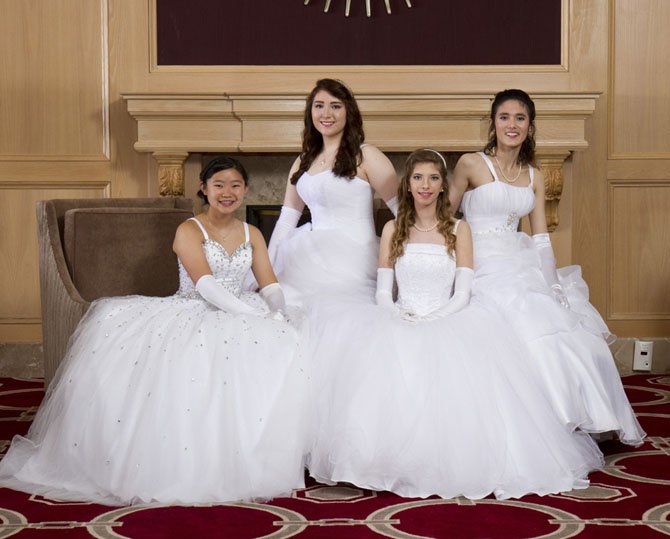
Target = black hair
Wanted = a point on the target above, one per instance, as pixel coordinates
(527, 152)
(219, 163)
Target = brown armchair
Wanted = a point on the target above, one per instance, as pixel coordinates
(93, 248)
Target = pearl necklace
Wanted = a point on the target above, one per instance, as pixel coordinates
(427, 229)
(503, 172)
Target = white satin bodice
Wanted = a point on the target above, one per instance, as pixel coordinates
(497, 206)
(338, 203)
(229, 270)
(425, 276)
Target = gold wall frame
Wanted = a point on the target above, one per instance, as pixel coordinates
(562, 67)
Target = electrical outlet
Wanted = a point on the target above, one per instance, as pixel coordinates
(642, 355)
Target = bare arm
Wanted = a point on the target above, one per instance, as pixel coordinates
(385, 245)
(380, 172)
(291, 197)
(464, 251)
(538, 218)
(187, 246)
(462, 179)
(260, 264)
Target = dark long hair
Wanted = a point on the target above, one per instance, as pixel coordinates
(349, 155)
(527, 152)
(219, 163)
(407, 212)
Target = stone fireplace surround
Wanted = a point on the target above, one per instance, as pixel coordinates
(264, 130)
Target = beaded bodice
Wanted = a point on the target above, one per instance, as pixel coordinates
(497, 206)
(425, 276)
(338, 203)
(228, 269)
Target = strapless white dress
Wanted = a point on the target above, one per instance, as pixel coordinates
(442, 406)
(336, 254)
(170, 400)
(568, 347)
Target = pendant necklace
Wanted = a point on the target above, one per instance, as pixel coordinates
(323, 161)
(218, 232)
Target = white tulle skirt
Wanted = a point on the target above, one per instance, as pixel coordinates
(444, 407)
(316, 263)
(168, 400)
(568, 347)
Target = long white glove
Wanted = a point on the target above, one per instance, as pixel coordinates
(392, 204)
(462, 292)
(384, 294)
(274, 297)
(548, 267)
(218, 296)
(287, 221)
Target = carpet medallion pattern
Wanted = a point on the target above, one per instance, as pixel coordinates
(629, 498)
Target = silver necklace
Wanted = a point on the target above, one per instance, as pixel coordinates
(426, 229)
(324, 159)
(220, 234)
(503, 172)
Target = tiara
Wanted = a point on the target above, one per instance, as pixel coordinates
(444, 161)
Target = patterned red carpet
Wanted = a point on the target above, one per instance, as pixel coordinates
(630, 498)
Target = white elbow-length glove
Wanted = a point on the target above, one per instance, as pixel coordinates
(384, 294)
(462, 292)
(274, 297)
(392, 204)
(287, 221)
(548, 267)
(221, 298)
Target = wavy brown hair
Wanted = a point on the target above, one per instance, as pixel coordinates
(527, 152)
(407, 212)
(349, 155)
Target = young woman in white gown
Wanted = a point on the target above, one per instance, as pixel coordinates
(336, 175)
(430, 395)
(194, 398)
(516, 275)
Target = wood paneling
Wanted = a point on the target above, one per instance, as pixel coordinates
(53, 83)
(640, 79)
(53, 124)
(639, 288)
(64, 131)
(19, 274)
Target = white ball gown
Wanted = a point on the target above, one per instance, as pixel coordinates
(568, 347)
(441, 406)
(170, 400)
(336, 254)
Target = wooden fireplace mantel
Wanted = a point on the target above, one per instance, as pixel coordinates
(171, 126)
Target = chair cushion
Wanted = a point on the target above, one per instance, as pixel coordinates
(122, 251)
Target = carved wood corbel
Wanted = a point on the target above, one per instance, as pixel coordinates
(552, 168)
(171, 173)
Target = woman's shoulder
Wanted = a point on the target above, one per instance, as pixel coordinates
(461, 227)
(190, 228)
(368, 151)
(389, 226)
(469, 160)
(388, 230)
(255, 234)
